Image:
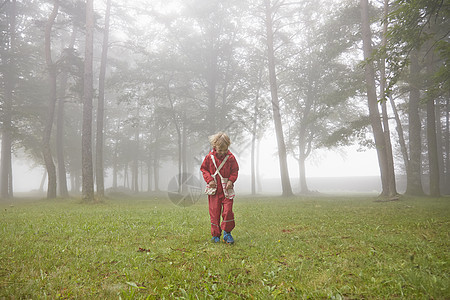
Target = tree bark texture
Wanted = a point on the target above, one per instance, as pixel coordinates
(86, 138)
(282, 155)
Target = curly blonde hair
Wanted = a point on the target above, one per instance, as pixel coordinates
(220, 139)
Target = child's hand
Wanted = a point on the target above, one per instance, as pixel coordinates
(212, 184)
(229, 185)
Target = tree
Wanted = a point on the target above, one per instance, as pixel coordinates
(414, 171)
(385, 118)
(433, 154)
(418, 30)
(101, 107)
(9, 79)
(270, 14)
(87, 166)
(68, 59)
(317, 83)
(52, 72)
(412, 25)
(387, 181)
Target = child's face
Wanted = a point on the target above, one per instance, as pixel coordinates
(221, 150)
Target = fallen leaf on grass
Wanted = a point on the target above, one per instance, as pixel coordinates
(143, 250)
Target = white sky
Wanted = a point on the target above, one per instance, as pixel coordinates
(341, 162)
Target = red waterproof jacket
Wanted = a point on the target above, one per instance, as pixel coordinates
(229, 170)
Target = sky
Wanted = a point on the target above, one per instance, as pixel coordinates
(343, 162)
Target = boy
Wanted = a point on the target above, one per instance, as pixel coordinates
(222, 201)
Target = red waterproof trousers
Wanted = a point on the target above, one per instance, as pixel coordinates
(219, 205)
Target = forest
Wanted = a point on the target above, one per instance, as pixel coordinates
(119, 88)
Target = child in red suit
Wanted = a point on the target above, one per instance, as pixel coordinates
(222, 201)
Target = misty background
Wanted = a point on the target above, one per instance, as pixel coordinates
(122, 95)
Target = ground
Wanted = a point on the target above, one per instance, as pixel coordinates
(327, 247)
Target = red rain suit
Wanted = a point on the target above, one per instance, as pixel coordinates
(218, 204)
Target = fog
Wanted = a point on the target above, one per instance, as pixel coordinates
(344, 170)
(147, 82)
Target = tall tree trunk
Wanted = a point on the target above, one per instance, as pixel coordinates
(62, 173)
(156, 157)
(184, 148)
(184, 154)
(304, 146)
(302, 169)
(253, 150)
(46, 148)
(258, 178)
(433, 161)
(149, 176)
(447, 147)
(374, 113)
(100, 174)
(86, 139)
(401, 136)
(115, 160)
(8, 82)
(44, 176)
(125, 176)
(253, 167)
(440, 146)
(282, 155)
(255, 134)
(387, 133)
(135, 165)
(432, 150)
(414, 171)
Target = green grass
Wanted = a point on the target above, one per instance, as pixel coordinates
(315, 248)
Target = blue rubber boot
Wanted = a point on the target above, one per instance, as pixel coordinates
(215, 239)
(227, 238)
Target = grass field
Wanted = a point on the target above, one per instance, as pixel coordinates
(298, 248)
